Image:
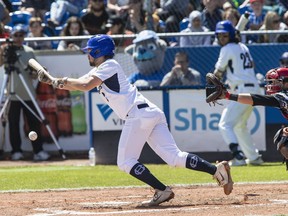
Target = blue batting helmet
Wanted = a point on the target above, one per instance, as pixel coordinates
(100, 45)
(225, 26)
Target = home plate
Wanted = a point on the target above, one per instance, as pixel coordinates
(106, 204)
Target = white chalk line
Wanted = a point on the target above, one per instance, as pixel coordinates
(54, 212)
(145, 186)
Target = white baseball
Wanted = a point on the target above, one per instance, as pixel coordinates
(32, 135)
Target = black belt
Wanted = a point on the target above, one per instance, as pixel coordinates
(247, 85)
(144, 105)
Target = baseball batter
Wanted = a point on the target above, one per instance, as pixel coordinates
(144, 121)
(236, 61)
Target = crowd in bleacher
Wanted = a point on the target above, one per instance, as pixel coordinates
(43, 18)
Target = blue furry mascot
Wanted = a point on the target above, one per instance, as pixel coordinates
(148, 53)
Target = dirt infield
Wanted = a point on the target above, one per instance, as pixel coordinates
(200, 200)
(260, 199)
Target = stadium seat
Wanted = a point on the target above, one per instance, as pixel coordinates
(82, 12)
(184, 23)
(63, 21)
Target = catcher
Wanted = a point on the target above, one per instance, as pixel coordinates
(276, 96)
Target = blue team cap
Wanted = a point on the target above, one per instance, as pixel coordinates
(19, 28)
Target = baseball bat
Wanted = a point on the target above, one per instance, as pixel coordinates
(38, 67)
(243, 21)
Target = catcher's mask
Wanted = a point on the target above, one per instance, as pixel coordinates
(225, 26)
(100, 45)
(275, 79)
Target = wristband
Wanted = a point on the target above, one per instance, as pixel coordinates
(233, 97)
(227, 95)
(63, 82)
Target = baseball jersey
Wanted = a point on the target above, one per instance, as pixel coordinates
(282, 98)
(116, 90)
(236, 60)
(278, 100)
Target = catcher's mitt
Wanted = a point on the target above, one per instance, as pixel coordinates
(215, 89)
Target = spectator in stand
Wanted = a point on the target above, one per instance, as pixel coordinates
(172, 12)
(4, 33)
(16, 106)
(116, 26)
(284, 60)
(139, 19)
(119, 7)
(211, 14)
(227, 5)
(60, 7)
(272, 21)
(233, 16)
(36, 30)
(37, 8)
(8, 4)
(195, 25)
(4, 13)
(181, 74)
(276, 6)
(96, 17)
(285, 17)
(74, 27)
(136, 20)
(256, 19)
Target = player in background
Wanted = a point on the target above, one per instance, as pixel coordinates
(235, 61)
(144, 121)
(276, 96)
(284, 60)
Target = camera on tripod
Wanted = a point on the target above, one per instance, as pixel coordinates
(10, 54)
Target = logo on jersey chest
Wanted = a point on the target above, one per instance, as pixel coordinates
(105, 110)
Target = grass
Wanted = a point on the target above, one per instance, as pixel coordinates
(52, 177)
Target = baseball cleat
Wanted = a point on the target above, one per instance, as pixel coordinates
(159, 197)
(223, 177)
(41, 156)
(236, 162)
(17, 156)
(256, 162)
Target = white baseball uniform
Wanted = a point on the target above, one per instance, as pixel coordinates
(144, 121)
(236, 60)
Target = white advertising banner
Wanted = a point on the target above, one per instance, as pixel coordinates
(103, 117)
(79, 139)
(194, 124)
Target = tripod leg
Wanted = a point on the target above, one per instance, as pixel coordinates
(3, 87)
(42, 117)
(4, 119)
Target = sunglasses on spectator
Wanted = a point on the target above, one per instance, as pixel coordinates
(276, 21)
(284, 62)
(223, 35)
(98, 0)
(18, 35)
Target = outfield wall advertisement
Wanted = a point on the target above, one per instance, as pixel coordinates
(193, 123)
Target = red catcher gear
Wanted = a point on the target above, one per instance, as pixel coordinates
(275, 78)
